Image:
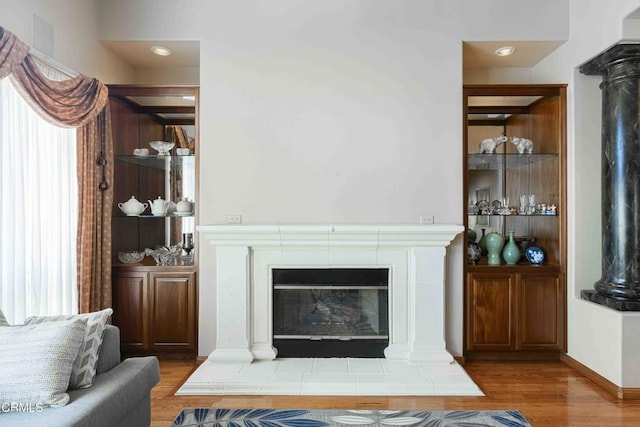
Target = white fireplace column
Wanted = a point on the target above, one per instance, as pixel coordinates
(427, 303)
(245, 255)
(233, 305)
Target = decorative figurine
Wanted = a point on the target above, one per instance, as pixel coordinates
(488, 146)
(523, 145)
(473, 252)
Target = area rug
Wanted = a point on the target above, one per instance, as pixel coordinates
(209, 417)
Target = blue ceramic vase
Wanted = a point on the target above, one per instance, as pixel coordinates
(534, 255)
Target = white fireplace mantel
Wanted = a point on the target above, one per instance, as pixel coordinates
(245, 255)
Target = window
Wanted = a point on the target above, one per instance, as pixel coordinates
(38, 211)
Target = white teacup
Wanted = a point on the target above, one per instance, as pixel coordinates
(183, 151)
(141, 152)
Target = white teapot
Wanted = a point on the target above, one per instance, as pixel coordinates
(159, 206)
(132, 207)
(184, 206)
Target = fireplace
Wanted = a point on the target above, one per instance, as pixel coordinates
(247, 255)
(330, 312)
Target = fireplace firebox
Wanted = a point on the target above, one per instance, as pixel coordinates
(330, 312)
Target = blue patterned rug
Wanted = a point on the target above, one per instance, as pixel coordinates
(210, 417)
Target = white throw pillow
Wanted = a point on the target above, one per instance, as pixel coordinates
(35, 364)
(84, 367)
(3, 320)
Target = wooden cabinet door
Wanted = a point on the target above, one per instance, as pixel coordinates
(130, 309)
(172, 311)
(490, 311)
(541, 312)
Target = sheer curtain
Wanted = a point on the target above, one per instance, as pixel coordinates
(38, 213)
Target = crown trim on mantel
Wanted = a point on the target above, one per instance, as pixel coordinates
(331, 235)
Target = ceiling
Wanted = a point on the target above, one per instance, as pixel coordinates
(528, 54)
(474, 54)
(138, 53)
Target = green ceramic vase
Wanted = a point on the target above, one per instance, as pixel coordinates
(494, 242)
(511, 252)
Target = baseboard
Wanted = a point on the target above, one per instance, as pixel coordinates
(459, 359)
(622, 393)
(503, 356)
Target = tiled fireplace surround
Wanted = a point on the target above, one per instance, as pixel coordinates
(245, 255)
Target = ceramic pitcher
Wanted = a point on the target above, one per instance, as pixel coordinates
(159, 206)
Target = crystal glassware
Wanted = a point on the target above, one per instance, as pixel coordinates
(130, 257)
(162, 147)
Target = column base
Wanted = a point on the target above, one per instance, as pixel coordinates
(397, 352)
(618, 304)
(264, 352)
(425, 355)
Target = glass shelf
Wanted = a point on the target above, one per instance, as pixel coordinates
(504, 161)
(159, 162)
(515, 216)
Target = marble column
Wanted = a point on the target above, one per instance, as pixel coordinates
(619, 66)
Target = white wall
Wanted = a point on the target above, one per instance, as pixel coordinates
(595, 334)
(75, 35)
(167, 76)
(333, 121)
(505, 75)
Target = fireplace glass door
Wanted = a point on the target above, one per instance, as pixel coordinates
(331, 312)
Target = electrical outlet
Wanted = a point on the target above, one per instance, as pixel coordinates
(427, 219)
(234, 219)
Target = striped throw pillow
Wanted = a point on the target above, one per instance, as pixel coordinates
(84, 367)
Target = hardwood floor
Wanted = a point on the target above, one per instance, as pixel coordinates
(547, 393)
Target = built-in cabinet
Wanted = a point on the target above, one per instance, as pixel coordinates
(516, 311)
(155, 306)
(155, 309)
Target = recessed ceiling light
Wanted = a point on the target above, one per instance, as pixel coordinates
(505, 51)
(160, 50)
